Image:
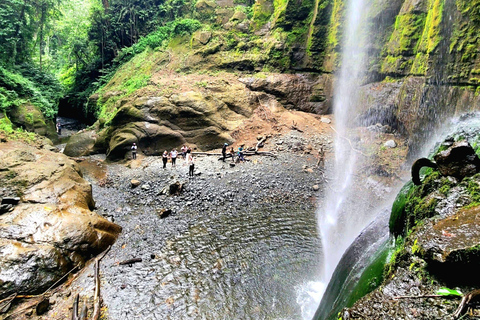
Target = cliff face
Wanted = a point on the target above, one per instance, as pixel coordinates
(422, 65)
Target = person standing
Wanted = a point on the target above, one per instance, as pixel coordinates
(224, 151)
(240, 153)
(59, 128)
(191, 165)
(165, 159)
(321, 157)
(134, 151)
(184, 152)
(173, 156)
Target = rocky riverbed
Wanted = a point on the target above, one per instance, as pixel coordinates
(236, 241)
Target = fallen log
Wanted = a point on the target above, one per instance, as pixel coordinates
(130, 261)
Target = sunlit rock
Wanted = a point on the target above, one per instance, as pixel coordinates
(52, 229)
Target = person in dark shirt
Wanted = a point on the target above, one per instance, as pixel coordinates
(224, 151)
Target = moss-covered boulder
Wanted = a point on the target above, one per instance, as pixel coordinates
(30, 118)
(81, 144)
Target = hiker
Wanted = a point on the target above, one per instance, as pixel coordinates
(59, 128)
(191, 165)
(165, 159)
(224, 151)
(240, 153)
(173, 156)
(232, 153)
(134, 151)
(321, 157)
(184, 151)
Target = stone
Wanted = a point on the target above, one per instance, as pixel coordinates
(52, 228)
(390, 144)
(81, 144)
(163, 213)
(458, 161)
(175, 188)
(315, 187)
(325, 120)
(134, 183)
(42, 307)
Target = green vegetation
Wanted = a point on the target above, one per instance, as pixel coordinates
(29, 85)
(415, 203)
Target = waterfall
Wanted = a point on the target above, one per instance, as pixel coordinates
(342, 216)
(339, 220)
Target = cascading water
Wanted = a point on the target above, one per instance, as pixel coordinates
(341, 217)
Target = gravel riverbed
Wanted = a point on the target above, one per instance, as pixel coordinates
(235, 243)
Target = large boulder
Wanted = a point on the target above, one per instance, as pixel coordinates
(30, 118)
(458, 161)
(81, 144)
(52, 228)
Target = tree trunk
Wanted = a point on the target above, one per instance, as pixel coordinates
(42, 23)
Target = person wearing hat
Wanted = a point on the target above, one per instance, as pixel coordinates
(224, 151)
(134, 151)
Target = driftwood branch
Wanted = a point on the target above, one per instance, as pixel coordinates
(260, 143)
(464, 303)
(96, 297)
(294, 127)
(97, 301)
(130, 261)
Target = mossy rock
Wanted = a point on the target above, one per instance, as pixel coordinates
(30, 118)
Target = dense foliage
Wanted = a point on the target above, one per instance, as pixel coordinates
(78, 43)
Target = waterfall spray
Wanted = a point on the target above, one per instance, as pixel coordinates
(339, 221)
(341, 217)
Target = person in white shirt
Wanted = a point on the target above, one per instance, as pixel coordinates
(191, 165)
(173, 156)
(134, 151)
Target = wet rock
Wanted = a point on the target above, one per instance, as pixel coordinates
(451, 244)
(198, 119)
(174, 188)
(315, 187)
(390, 144)
(458, 161)
(163, 213)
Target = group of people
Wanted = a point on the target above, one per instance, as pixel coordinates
(186, 153)
(240, 153)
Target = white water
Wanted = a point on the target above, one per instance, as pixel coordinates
(341, 217)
